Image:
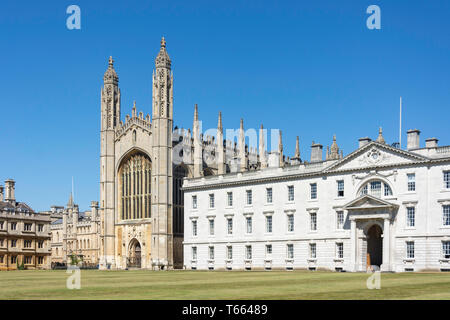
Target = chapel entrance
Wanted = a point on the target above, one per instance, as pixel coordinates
(374, 246)
(134, 256)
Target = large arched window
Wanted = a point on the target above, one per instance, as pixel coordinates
(135, 187)
(376, 188)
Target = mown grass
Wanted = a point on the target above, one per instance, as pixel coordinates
(137, 284)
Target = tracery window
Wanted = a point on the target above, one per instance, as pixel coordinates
(135, 187)
(376, 188)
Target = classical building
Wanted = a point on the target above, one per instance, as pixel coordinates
(24, 234)
(377, 206)
(75, 233)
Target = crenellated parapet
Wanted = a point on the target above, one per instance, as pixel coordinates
(134, 120)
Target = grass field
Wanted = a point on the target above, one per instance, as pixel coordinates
(221, 285)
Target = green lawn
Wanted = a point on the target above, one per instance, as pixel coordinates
(221, 285)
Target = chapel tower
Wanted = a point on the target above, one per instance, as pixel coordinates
(110, 117)
(162, 125)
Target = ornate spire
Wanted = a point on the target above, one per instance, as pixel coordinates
(70, 202)
(262, 148)
(333, 152)
(296, 157)
(219, 122)
(280, 150)
(162, 59)
(110, 75)
(380, 138)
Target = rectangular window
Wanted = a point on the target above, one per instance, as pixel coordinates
(410, 216)
(230, 199)
(290, 193)
(229, 252)
(269, 224)
(27, 260)
(1, 259)
(447, 179)
(375, 188)
(313, 190)
(249, 197)
(13, 225)
(211, 227)
(312, 250)
(40, 244)
(249, 224)
(340, 188)
(313, 217)
(27, 243)
(230, 226)
(340, 220)
(340, 250)
(13, 259)
(194, 228)
(211, 200)
(27, 227)
(194, 253)
(290, 223)
(446, 249)
(40, 227)
(13, 243)
(1, 224)
(411, 182)
(1, 242)
(269, 195)
(268, 250)
(194, 202)
(290, 251)
(387, 190)
(40, 260)
(446, 215)
(211, 253)
(410, 249)
(248, 252)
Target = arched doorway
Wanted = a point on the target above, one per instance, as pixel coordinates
(134, 254)
(374, 246)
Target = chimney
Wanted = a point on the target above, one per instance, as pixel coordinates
(364, 141)
(316, 152)
(9, 192)
(431, 143)
(413, 139)
(1, 193)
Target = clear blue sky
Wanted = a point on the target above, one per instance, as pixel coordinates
(311, 68)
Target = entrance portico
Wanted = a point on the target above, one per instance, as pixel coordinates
(367, 214)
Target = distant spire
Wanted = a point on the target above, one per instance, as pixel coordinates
(111, 61)
(262, 147)
(280, 149)
(163, 42)
(110, 75)
(380, 138)
(196, 113)
(219, 122)
(70, 202)
(297, 148)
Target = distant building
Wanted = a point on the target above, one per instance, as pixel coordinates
(379, 205)
(24, 234)
(75, 233)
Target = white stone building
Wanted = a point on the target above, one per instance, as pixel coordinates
(379, 205)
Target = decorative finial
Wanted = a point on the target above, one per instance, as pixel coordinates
(242, 123)
(163, 42)
(334, 137)
(380, 138)
(111, 61)
(297, 148)
(134, 104)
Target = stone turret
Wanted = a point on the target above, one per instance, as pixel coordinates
(333, 152)
(262, 149)
(380, 138)
(297, 159)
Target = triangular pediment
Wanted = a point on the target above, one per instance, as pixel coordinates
(375, 154)
(368, 202)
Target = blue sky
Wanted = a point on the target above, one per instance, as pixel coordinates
(310, 68)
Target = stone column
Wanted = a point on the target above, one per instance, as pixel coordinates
(386, 246)
(353, 245)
